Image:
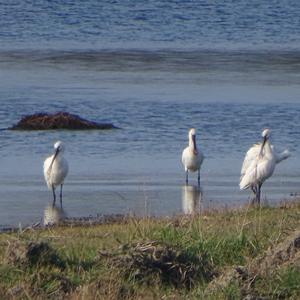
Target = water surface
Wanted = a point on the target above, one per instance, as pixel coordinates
(154, 70)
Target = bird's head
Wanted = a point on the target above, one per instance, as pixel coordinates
(192, 132)
(192, 140)
(266, 133)
(59, 147)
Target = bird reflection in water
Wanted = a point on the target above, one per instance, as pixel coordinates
(53, 215)
(191, 199)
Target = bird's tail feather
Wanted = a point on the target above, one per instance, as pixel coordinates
(244, 184)
(282, 156)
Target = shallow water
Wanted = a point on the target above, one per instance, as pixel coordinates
(137, 169)
(154, 75)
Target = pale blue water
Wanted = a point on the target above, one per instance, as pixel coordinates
(154, 70)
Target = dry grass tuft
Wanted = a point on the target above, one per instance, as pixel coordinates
(156, 262)
(240, 254)
(27, 254)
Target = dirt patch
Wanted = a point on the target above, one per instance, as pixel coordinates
(155, 262)
(60, 120)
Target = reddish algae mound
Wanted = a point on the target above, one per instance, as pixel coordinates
(60, 120)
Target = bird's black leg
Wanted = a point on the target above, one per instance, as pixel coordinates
(258, 193)
(198, 177)
(186, 177)
(254, 190)
(54, 196)
(60, 195)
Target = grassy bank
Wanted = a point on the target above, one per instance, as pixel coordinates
(217, 255)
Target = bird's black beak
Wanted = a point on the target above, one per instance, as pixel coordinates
(262, 145)
(54, 157)
(194, 142)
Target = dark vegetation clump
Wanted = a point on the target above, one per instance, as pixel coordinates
(62, 284)
(149, 262)
(60, 120)
(29, 254)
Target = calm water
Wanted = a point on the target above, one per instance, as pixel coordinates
(154, 70)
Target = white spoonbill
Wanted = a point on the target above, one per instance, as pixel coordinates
(192, 157)
(259, 164)
(56, 169)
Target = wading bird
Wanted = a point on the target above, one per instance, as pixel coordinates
(192, 157)
(56, 169)
(259, 165)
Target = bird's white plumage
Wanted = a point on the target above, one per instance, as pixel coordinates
(260, 162)
(192, 157)
(252, 156)
(55, 175)
(258, 170)
(55, 171)
(282, 156)
(191, 161)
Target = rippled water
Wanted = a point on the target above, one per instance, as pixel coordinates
(154, 70)
(151, 24)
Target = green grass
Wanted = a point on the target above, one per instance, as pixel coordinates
(92, 258)
(281, 284)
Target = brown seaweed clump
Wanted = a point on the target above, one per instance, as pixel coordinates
(60, 120)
